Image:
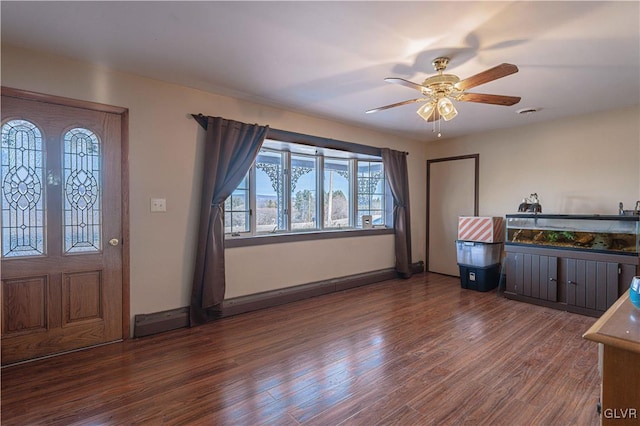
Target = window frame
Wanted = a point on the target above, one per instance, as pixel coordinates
(249, 200)
(284, 165)
(288, 144)
(384, 209)
(317, 186)
(351, 198)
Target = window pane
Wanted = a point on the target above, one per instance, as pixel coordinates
(23, 221)
(336, 193)
(82, 192)
(363, 169)
(303, 192)
(236, 208)
(371, 192)
(269, 192)
(239, 200)
(239, 221)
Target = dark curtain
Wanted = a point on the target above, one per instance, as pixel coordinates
(230, 149)
(395, 168)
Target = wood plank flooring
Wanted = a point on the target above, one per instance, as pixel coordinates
(406, 352)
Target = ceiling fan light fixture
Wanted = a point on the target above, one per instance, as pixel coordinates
(446, 109)
(426, 110)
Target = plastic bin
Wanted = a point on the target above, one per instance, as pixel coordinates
(478, 254)
(480, 278)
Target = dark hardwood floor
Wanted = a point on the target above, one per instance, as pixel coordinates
(407, 352)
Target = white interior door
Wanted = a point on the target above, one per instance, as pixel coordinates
(452, 192)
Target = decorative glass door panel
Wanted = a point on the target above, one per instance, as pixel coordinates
(23, 197)
(81, 176)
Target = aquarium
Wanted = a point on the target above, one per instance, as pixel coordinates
(609, 234)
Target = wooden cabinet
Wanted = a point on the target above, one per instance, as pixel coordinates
(578, 263)
(583, 282)
(618, 333)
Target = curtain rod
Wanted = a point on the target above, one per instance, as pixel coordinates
(202, 120)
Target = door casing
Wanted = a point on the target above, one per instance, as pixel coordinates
(476, 164)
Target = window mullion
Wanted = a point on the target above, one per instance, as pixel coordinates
(320, 191)
(353, 202)
(286, 179)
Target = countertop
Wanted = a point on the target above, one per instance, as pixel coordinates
(619, 326)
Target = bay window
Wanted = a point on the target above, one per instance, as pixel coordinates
(293, 188)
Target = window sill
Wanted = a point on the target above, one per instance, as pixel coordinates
(257, 240)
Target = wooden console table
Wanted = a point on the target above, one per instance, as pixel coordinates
(618, 330)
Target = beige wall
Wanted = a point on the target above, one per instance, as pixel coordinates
(165, 162)
(585, 164)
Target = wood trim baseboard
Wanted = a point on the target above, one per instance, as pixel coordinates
(159, 322)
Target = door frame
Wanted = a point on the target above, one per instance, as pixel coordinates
(476, 191)
(124, 161)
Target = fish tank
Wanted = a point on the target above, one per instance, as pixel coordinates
(605, 234)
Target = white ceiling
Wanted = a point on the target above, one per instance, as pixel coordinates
(329, 59)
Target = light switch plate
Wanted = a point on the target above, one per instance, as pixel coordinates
(158, 205)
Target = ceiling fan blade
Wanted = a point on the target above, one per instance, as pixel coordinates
(407, 83)
(484, 98)
(411, 101)
(491, 74)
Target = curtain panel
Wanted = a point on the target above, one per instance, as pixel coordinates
(230, 149)
(395, 167)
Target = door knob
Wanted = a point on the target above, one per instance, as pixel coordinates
(114, 242)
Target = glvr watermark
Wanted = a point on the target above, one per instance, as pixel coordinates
(620, 413)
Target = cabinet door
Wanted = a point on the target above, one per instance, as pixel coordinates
(512, 278)
(533, 275)
(591, 284)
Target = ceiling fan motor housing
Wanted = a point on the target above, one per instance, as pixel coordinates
(439, 64)
(441, 84)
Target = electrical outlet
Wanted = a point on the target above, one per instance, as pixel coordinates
(158, 205)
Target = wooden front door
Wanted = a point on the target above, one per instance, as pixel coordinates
(61, 228)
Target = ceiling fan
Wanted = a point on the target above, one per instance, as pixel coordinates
(439, 90)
